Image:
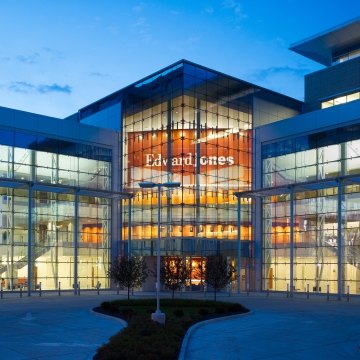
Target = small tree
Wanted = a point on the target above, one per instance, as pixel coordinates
(199, 272)
(174, 272)
(128, 272)
(218, 273)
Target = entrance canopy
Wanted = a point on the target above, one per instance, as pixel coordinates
(301, 187)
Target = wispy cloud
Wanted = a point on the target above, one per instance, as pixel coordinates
(141, 26)
(283, 79)
(29, 59)
(279, 70)
(5, 58)
(42, 54)
(53, 53)
(236, 7)
(21, 87)
(140, 23)
(27, 88)
(44, 89)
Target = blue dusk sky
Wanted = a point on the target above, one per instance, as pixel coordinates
(58, 56)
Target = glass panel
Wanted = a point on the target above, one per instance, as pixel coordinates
(22, 161)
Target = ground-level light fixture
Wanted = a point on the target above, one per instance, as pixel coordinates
(158, 316)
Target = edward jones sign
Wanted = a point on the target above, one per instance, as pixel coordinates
(188, 160)
(149, 150)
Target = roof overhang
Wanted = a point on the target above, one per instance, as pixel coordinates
(322, 46)
(57, 188)
(301, 187)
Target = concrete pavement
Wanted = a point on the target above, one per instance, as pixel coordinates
(281, 328)
(53, 327)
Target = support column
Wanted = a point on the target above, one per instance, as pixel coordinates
(339, 238)
(76, 237)
(238, 244)
(169, 128)
(291, 241)
(10, 236)
(30, 264)
(263, 251)
(116, 229)
(258, 255)
(158, 247)
(198, 209)
(129, 226)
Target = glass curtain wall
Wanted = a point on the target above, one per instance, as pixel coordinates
(42, 200)
(316, 222)
(198, 132)
(14, 238)
(94, 241)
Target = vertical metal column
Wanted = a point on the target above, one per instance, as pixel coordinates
(129, 226)
(291, 241)
(30, 265)
(169, 128)
(321, 219)
(198, 179)
(238, 243)
(158, 253)
(266, 211)
(119, 166)
(342, 235)
(118, 163)
(339, 239)
(10, 235)
(76, 236)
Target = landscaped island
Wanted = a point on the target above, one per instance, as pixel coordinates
(144, 339)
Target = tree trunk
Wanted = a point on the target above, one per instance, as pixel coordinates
(215, 294)
(128, 292)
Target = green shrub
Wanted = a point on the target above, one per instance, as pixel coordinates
(178, 313)
(235, 308)
(127, 313)
(203, 312)
(109, 307)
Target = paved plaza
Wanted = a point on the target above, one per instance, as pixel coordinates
(53, 327)
(64, 327)
(281, 328)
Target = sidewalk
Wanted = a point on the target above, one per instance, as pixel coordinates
(54, 327)
(281, 328)
(64, 327)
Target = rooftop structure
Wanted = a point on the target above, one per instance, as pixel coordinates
(328, 45)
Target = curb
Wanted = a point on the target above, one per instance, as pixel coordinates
(185, 343)
(123, 322)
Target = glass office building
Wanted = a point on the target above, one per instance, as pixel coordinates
(306, 188)
(319, 177)
(268, 181)
(54, 207)
(196, 132)
(191, 125)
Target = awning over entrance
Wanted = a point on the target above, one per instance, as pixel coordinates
(300, 187)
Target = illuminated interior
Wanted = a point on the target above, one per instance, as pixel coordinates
(202, 141)
(315, 214)
(41, 193)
